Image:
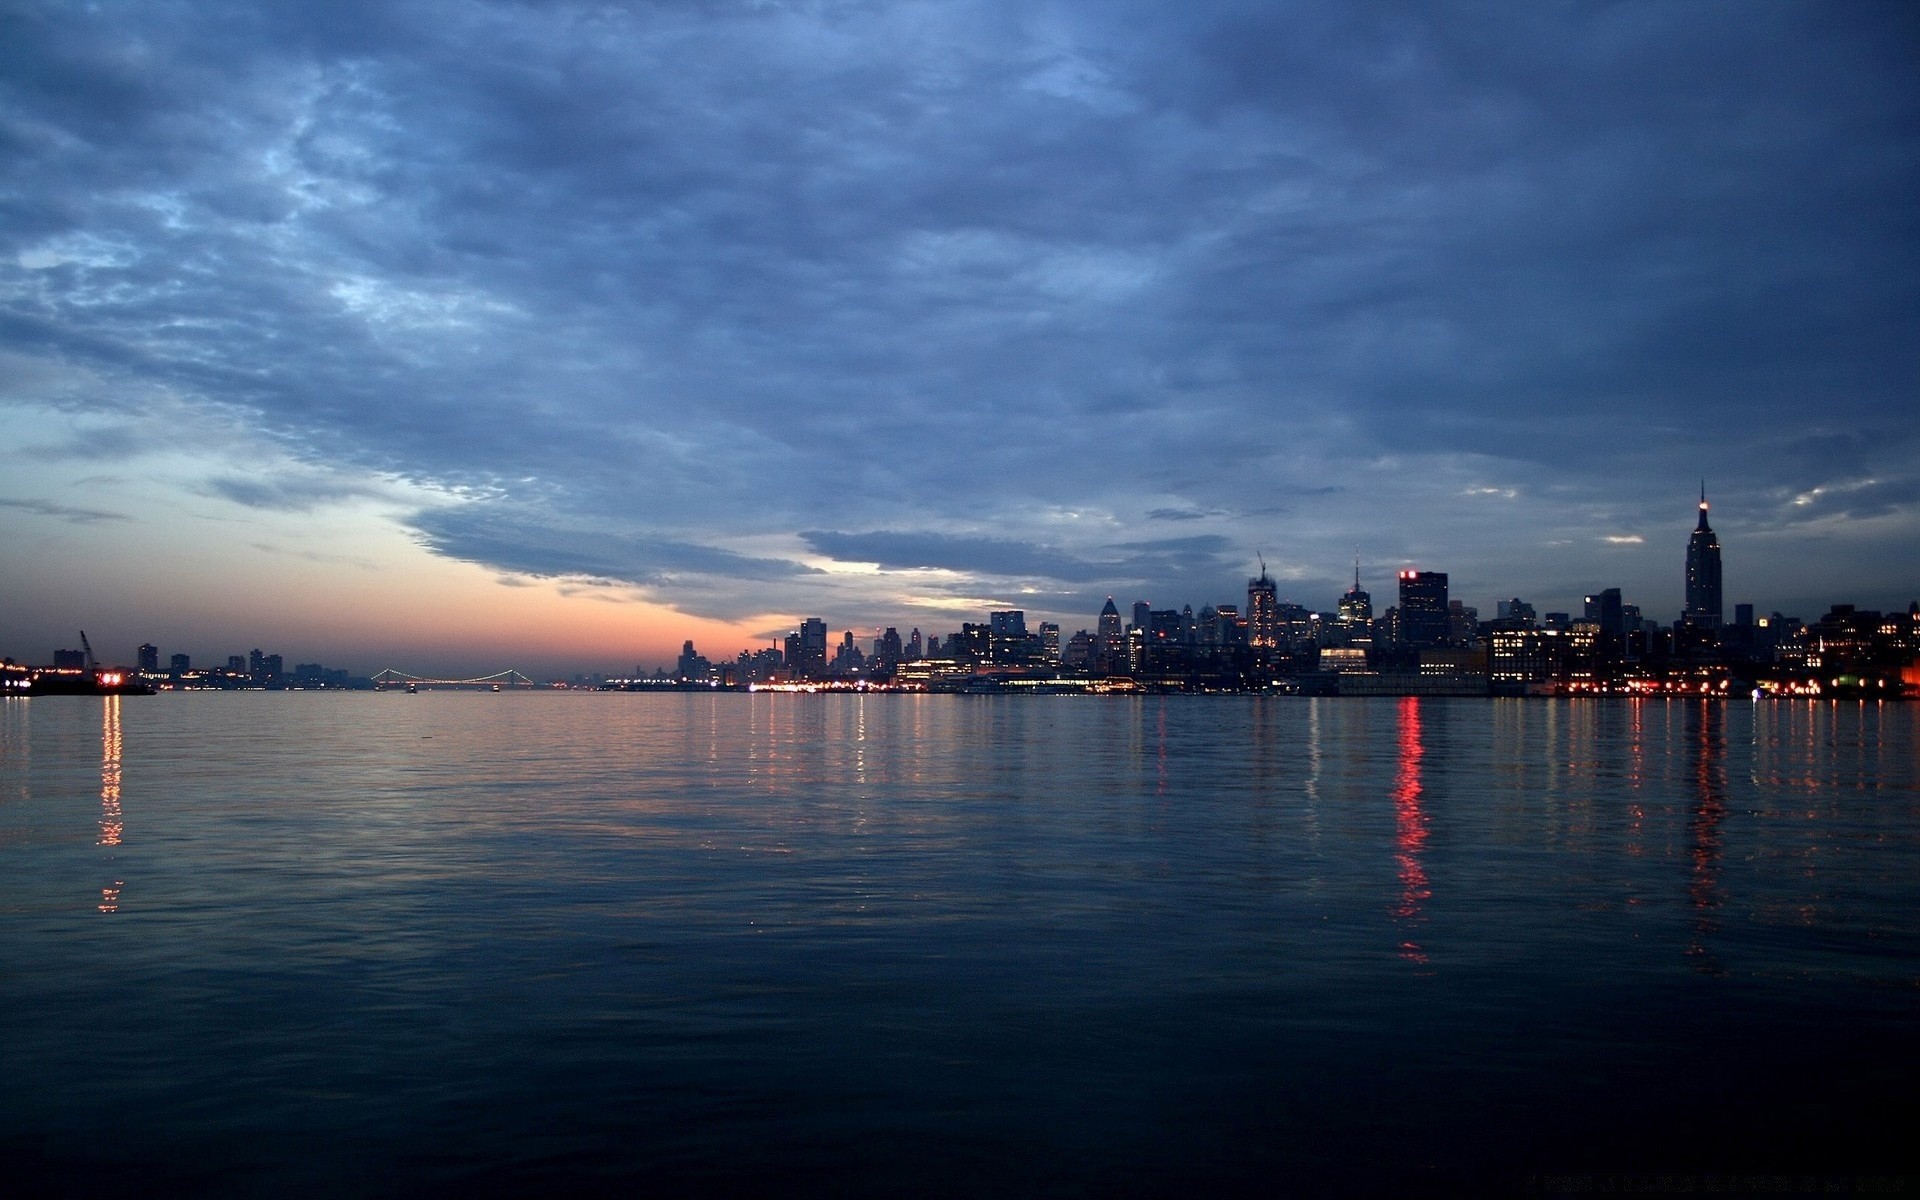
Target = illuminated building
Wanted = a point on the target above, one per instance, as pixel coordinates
(1110, 621)
(1704, 608)
(1522, 657)
(149, 655)
(1050, 641)
(1263, 601)
(1356, 607)
(1423, 609)
(1294, 626)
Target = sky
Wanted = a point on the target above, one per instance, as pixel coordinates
(455, 336)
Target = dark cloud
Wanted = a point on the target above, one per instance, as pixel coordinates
(289, 494)
(523, 544)
(64, 512)
(648, 281)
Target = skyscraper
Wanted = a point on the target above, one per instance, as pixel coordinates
(1423, 609)
(1263, 602)
(1703, 609)
(807, 650)
(1356, 607)
(1605, 609)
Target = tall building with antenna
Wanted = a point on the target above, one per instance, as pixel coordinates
(1704, 608)
(1356, 607)
(1263, 611)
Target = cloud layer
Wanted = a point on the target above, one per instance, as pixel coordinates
(716, 299)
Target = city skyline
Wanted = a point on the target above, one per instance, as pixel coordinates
(468, 335)
(1421, 619)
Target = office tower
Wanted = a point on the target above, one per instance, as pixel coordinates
(807, 650)
(1142, 614)
(1743, 615)
(1294, 626)
(1263, 602)
(1703, 609)
(1110, 620)
(180, 664)
(1356, 607)
(1233, 626)
(915, 652)
(1050, 641)
(1517, 612)
(1166, 627)
(1423, 609)
(149, 657)
(888, 652)
(691, 666)
(1463, 623)
(1605, 610)
(1011, 623)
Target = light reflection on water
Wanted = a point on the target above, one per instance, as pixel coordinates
(883, 943)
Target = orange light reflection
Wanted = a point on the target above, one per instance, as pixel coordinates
(110, 819)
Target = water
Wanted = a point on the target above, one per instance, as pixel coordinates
(456, 943)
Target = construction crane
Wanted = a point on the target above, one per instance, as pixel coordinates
(93, 664)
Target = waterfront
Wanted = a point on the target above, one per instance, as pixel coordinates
(315, 942)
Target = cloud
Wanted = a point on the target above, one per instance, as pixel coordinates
(527, 545)
(63, 512)
(347, 560)
(292, 493)
(641, 285)
(1184, 514)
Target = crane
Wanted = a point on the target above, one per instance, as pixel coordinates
(93, 664)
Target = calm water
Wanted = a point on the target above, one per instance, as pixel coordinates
(470, 943)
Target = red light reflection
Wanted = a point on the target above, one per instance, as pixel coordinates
(1410, 829)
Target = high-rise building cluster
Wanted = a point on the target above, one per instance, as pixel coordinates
(1427, 642)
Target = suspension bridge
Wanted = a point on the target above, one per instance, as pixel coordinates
(509, 678)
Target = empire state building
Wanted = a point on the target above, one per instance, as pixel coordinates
(1703, 574)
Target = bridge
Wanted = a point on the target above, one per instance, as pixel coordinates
(508, 678)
